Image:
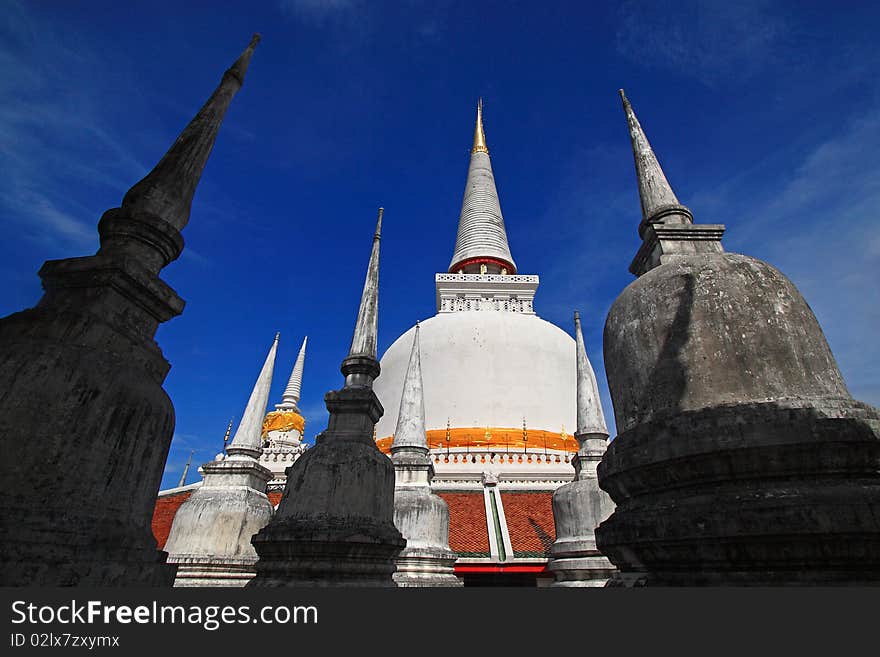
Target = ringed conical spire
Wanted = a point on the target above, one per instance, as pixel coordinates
(410, 432)
(590, 418)
(290, 397)
(361, 366)
(482, 239)
(248, 436)
(167, 191)
(659, 203)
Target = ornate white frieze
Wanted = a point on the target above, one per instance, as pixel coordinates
(486, 292)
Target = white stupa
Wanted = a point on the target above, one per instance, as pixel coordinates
(499, 381)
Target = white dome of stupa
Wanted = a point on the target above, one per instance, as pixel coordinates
(485, 370)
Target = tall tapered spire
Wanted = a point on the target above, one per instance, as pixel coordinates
(659, 202)
(247, 439)
(590, 418)
(164, 196)
(410, 432)
(482, 239)
(361, 367)
(182, 481)
(290, 397)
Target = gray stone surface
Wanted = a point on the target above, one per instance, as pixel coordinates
(579, 506)
(83, 416)
(210, 538)
(421, 516)
(334, 525)
(741, 457)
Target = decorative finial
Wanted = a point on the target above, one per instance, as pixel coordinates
(277, 335)
(228, 431)
(479, 134)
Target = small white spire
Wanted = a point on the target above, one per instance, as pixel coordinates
(410, 431)
(248, 438)
(590, 418)
(290, 398)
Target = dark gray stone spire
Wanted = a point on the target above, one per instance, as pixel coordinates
(335, 523)
(659, 202)
(361, 367)
(83, 416)
(667, 227)
(165, 194)
(741, 457)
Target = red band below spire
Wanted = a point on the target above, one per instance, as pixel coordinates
(483, 260)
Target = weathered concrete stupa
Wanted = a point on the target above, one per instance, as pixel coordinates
(741, 457)
(334, 525)
(579, 507)
(83, 416)
(210, 539)
(421, 516)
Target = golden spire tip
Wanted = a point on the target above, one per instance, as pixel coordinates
(479, 134)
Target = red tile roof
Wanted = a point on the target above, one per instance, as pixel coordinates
(163, 515)
(468, 534)
(530, 522)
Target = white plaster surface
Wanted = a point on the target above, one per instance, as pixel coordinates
(485, 369)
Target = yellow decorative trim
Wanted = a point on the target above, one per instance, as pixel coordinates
(283, 421)
(488, 437)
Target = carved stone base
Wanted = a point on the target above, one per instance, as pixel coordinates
(193, 570)
(334, 526)
(775, 493)
(577, 563)
(426, 567)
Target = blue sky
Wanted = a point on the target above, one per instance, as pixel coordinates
(764, 115)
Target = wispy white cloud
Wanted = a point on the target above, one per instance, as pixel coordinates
(50, 119)
(822, 230)
(707, 39)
